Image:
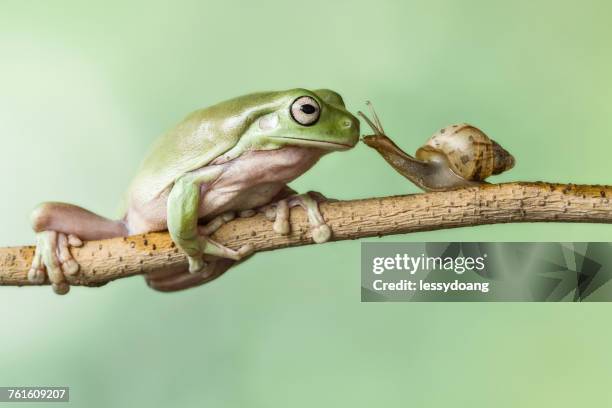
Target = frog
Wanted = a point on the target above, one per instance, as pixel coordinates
(232, 159)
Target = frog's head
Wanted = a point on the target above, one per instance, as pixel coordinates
(299, 117)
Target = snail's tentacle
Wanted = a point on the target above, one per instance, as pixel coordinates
(376, 118)
(375, 128)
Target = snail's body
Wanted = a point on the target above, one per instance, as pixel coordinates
(433, 175)
(457, 156)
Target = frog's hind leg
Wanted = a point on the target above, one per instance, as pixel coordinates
(59, 227)
(71, 219)
(172, 281)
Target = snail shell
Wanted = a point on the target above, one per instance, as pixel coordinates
(469, 153)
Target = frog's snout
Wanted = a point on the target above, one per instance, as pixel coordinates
(350, 128)
(346, 124)
(351, 124)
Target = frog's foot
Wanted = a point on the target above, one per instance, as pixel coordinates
(279, 212)
(223, 219)
(247, 213)
(217, 223)
(171, 281)
(52, 258)
(207, 246)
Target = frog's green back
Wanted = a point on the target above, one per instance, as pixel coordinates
(200, 138)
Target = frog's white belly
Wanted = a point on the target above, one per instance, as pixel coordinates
(255, 179)
(221, 200)
(249, 181)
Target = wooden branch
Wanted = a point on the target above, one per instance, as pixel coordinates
(107, 260)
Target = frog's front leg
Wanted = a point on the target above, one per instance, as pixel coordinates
(279, 213)
(169, 280)
(183, 214)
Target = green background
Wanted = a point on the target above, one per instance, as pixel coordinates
(86, 86)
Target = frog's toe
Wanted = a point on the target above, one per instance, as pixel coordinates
(37, 274)
(246, 250)
(61, 288)
(74, 241)
(196, 264)
(217, 223)
(68, 264)
(228, 216)
(246, 213)
(321, 233)
(269, 212)
(280, 215)
(281, 226)
(70, 267)
(55, 273)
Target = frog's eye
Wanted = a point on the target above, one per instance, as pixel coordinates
(305, 110)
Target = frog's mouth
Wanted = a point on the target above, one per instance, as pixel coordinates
(323, 144)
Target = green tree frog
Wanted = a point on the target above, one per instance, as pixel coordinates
(233, 158)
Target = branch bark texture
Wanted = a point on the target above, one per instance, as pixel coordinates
(107, 260)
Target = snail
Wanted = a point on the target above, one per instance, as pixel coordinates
(457, 156)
